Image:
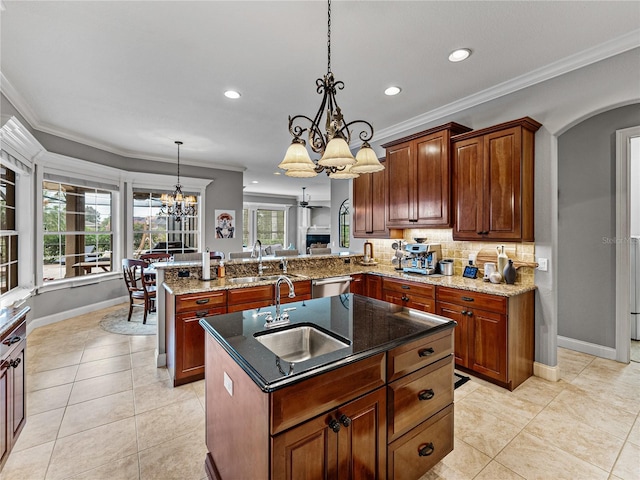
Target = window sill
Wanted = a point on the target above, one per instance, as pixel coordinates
(75, 282)
(16, 297)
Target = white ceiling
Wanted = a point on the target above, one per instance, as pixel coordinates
(132, 77)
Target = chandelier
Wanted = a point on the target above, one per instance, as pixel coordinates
(333, 144)
(177, 204)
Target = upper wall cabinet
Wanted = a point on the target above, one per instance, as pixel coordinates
(494, 183)
(369, 207)
(418, 178)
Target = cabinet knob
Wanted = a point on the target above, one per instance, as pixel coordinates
(426, 450)
(334, 425)
(15, 363)
(463, 312)
(469, 313)
(426, 394)
(404, 298)
(344, 420)
(425, 352)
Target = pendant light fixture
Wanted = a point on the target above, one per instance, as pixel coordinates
(332, 144)
(177, 204)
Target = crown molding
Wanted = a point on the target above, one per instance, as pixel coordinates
(568, 64)
(17, 140)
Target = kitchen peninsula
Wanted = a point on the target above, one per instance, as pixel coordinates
(380, 405)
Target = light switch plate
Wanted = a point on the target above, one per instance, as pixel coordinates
(543, 264)
(228, 384)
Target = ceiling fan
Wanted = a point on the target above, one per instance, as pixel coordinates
(304, 203)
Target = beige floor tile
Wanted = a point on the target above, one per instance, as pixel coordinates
(45, 362)
(103, 340)
(535, 459)
(199, 388)
(48, 399)
(140, 343)
(126, 468)
(94, 413)
(103, 367)
(634, 434)
(503, 404)
(571, 363)
(574, 403)
(464, 462)
(29, 464)
(51, 378)
(158, 425)
(143, 358)
(98, 446)
(496, 471)
(628, 465)
(579, 439)
(101, 386)
(160, 394)
(179, 459)
(461, 392)
(149, 374)
(483, 430)
(619, 394)
(40, 428)
(106, 351)
(539, 391)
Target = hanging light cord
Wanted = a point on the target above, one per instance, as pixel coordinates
(329, 36)
(178, 143)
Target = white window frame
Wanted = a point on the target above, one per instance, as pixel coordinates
(254, 207)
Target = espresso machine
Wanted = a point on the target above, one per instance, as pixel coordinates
(422, 258)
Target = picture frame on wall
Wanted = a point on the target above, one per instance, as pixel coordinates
(225, 223)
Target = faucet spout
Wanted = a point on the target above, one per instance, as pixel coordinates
(292, 294)
(258, 244)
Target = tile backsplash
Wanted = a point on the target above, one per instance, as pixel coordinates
(459, 251)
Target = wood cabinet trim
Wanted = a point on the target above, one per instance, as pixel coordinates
(527, 123)
(454, 127)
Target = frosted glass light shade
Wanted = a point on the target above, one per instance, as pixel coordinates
(337, 154)
(366, 161)
(296, 158)
(345, 174)
(301, 173)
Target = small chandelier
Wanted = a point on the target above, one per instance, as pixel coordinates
(177, 204)
(332, 145)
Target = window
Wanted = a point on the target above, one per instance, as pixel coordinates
(245, 227)
(270, 227)
(343, 224)
(8, 232)
(78, 235)
(153, 232)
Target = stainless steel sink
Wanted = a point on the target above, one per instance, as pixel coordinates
(261, 278)
(301, 342)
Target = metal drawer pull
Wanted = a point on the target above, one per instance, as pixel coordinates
(468, 299)
(425, 352)
(427, 450)
(202, 313)
(406, 287)
(12, 340)
(202, 301)
(426, 394)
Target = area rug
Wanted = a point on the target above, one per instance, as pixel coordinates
(116, 322)
(459, 380)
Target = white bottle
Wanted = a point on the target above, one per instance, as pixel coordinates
(502, 259)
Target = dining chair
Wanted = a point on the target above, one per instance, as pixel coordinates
(285, 253)
(239, 255)
(216, 255)
(319, 251)
(149, 258)
(139, 286)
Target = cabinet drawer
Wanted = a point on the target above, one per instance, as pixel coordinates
(413, 454)
(302, 289)
(250, 294)
(202, 313)
(410, 300)
(414, 398)
(11, 341)
(483, 301)
(407, 288)
(296, 403)
(200, 301)
(420, 353)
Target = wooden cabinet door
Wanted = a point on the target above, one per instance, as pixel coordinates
(488, 341)
(362, 213)
(18, 391)
(460, 333)
(362, 437)
(468, 170)
(433, 177)
(306, 452)
(5, 411)
(374, 286)
(502, 182)
(358, 284)
(400, 178)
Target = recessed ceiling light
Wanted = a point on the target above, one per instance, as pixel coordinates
(232, 94)
(459, 55)
(392, 91)
(255, 181)
(276, 173)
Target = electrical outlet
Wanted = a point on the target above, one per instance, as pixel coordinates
(183, 273)
(472, 258)
(543, 264)
(228, 384)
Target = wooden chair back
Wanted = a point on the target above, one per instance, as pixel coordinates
(155, 257)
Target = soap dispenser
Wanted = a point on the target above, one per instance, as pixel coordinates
(502, 259)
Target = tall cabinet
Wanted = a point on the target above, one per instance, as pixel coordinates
(418, 178)
(493, 171)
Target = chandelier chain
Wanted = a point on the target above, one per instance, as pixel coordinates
(329, 37)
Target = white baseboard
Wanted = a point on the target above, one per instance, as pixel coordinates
(586, 347)
(58, 317)
(546, 372)
(161, 359)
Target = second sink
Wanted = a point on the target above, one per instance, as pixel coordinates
(301, 342)
(261, 278)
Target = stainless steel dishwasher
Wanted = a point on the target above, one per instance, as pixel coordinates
(327, 287)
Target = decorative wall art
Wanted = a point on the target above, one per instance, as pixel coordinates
(225, 223)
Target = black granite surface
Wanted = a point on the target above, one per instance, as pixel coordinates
(370, 327)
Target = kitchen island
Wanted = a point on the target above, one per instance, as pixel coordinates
(378, 405)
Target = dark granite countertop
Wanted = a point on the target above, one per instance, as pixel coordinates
(371, 326)
(10, 318)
